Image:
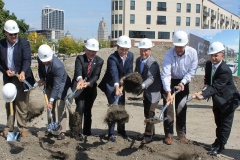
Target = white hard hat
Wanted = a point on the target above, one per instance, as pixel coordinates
(180, 38)
(215, 47)
(124, 41)
(45, 53)
(9, 92)
(145, 43)
(92, 44)
(11, 26)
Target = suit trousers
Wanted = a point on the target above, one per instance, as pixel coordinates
(223, 121)
(169, 113)
(58, 111)
(84, 104)
(120, 126)
(149, 112)
(20, 107)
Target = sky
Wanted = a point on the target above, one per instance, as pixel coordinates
(82, 17)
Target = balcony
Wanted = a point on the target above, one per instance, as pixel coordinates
(222, 20)
(206, 13)
(161, 8)
(227, 22)
(162, 22)
(213, 17)
(212, 27)
(205, 26)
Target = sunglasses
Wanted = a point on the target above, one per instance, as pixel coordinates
(11, 34)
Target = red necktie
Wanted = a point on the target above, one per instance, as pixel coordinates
(89, 66)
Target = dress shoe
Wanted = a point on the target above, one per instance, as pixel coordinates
(61, 136)
(112, 138)
(146, 139)
(24, 133)
(123, 134)
(183, 139)
(215, 151)
(215, 144)
(168, 140)
(5, 132)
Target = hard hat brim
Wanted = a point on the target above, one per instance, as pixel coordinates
(92, 49)
(12, 32)
(46, 59)
(180, 44)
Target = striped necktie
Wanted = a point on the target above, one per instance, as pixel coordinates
(89, 66)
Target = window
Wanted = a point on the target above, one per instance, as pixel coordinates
(148, 5)
(120, 5)
(132, 18)
(116, 5)
(163, 35)
(178, 21)
(161, 20)
(197, 8)
(178, 7)
(120, 18)
(116, 36)
(132, 5)
(148, 19)
(112, 5)
(120, 33)
(161, 6)
(188, 7)
(112, 34)
(116, 19)
(187, 21)
(197, 21)
(112, 19)
(142, 34)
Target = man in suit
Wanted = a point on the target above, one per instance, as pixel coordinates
(87, 71)
(53, 75)
(148, 67)
(119, 64)
(15, 58)
(220, 86)
(179, 67)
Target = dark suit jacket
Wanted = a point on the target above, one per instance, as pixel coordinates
(151, 78)
(222, 90)
(56, 77)
(21, 57)
(81, 65)
(115, 71)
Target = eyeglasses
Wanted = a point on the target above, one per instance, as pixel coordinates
(11, 34)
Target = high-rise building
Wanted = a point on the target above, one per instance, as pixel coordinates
(157, 20)
(102, 30)
(53, 19)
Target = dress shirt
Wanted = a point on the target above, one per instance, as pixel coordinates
(176, 67)
(142, 64)
(10, 50)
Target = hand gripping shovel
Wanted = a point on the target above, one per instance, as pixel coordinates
(11, 135)
(161, 118)
(185, 100)
(26, 82)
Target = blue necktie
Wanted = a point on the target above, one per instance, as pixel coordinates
(141, 66)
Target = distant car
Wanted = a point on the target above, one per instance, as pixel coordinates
(233, 67)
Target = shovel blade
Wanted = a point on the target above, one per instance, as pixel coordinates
(181, 104)
(12, 137)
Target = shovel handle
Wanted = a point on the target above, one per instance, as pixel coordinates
(200, 92)
(80, 87)
(121, 88)
(46, 99)
(173, 96)
(11, 109)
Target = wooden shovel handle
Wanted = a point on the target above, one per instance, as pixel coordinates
(80, 87)
(46, 99)
(121, 88)
(200, 92)
(173, 95)
(11, 109)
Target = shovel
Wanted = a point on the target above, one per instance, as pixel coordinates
(117, 97)
(11, 135)
(26, 82)
(161, 118)
(185, 100)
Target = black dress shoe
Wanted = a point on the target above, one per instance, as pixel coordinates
(215, 144)
(123, 134)
(112, 138)
(215, 151)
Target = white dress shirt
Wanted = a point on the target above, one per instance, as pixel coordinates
(10, 50)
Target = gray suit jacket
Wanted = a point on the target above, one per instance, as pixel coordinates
(56, 78)
(151, 78)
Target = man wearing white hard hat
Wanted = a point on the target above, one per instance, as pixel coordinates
(53, 75)
(119, 64)
(220, 86)
(87, 71)
(179, 67)
(149, 69)
(15, 58)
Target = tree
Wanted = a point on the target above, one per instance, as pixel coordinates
(68, 45)
(5, 15)
(36, 40)
(104, 44)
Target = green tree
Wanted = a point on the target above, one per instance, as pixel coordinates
(36, 40)
(104, 44)
(6, 15)
(68, 45)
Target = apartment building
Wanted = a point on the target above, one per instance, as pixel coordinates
(53, 19)
(157, 19)
(102, 30)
